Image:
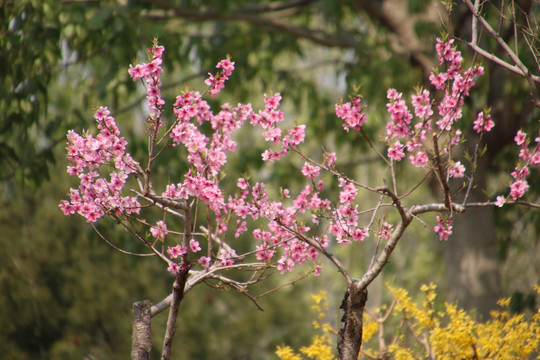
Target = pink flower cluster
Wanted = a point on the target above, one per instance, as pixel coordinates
(456, 82)
(527, 157)
(268, 120)
(98, 195)
(284, 231)
(344, 224)
(150, 72)
(282, 243)
(207, 154)
(217, 82)
(443, 228)
(483, 123)
(160, 230)
(407, 134)
(352, 114)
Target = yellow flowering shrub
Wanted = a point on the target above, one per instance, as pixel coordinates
(416, 330)
(321, 347)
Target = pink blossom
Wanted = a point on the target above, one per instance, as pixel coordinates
(456, 138)
(174, 267)
(524, 154)
(535, 159)
(482, 124)
(419, 159)
(285, 265)
(67, 208)
(242, 183)
(438, 80)
(457, 170)
(310, 171)
(102, 113)
(520, 138)
(176, 251)
(157, 51)
(204, 261)
(396, 151)
(217, 83)
(384, 232)
(443, 228)
(272, 134)
(520, 173)
(227, 66)
(194, 245)
(500, 201)
(422, 105)
(360, 234)
(241, 226)
(331, 159)
(160, 230)
(226, 257)
(137, 72)
(297, 135)
(272, 101)
(352, 114)
(518, 188)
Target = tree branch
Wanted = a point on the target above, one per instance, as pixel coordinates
(178, 292)
(342, 40)
(518, 67)
(176, 299)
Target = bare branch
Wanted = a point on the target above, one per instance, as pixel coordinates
(116, 247)
(518, 67)
(342, 40)
(523, 71)
(381, 261)
(177, 293)
(322, 250)
(440, 172)
(165, 203)
(199, 276)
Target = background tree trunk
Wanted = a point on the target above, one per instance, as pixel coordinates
(142, 341)
(472, 267)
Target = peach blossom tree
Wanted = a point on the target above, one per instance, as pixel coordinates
(288, 229)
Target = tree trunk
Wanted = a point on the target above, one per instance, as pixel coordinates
(472, 266)
(142, 342)
(350, 335)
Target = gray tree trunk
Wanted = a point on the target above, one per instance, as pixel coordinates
(141, 346)
(472, 267)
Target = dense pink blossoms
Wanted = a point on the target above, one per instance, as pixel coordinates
(99, 195)
(103, 167)
(406, 133)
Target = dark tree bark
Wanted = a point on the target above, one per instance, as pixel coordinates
(142, 342)
(350, 335)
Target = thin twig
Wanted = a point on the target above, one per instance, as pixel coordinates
(116, 247)
(441, 174)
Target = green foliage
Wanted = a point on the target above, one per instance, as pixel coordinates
(65, 293)
(26, 32)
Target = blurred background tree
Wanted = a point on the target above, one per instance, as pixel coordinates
(67, 295)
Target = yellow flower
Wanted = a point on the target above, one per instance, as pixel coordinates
(286, 353)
